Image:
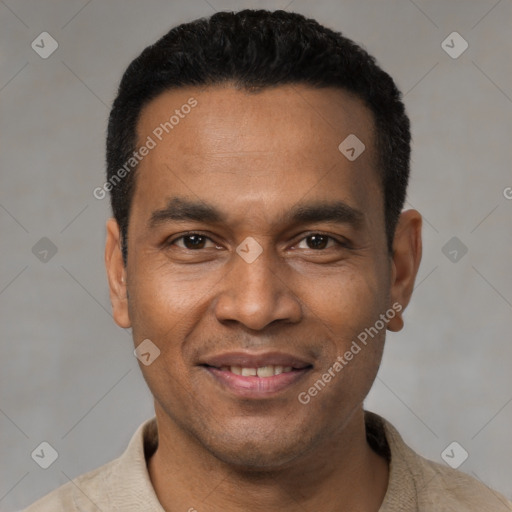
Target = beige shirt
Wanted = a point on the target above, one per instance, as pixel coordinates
(415, 483)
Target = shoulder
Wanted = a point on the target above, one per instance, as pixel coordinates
(455, 490)
(69, 497)
(121, 484)
(427, 486)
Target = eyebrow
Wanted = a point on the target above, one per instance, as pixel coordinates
(180, 209)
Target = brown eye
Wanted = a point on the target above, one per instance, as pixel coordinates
(192, 241)
(318, 241)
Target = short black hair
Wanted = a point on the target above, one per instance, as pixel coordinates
(254, 49)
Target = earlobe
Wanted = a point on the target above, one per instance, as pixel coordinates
(407, 250)
(116, 275)
(397, 323)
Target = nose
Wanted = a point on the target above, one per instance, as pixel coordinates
(258, 293)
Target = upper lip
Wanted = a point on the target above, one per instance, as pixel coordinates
(255, 360)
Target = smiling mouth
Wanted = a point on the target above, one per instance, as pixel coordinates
(262, 372)
(263, 382)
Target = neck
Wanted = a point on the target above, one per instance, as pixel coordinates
(344, 473)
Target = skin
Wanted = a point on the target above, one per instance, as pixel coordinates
(255, 156)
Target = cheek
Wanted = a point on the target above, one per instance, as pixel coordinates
(165, 307)
(160, 310)
(349, 300)
(160, 301)
(347, 307)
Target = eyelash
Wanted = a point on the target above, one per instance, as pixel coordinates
(169, 243)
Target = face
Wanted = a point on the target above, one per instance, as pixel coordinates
(255, 243)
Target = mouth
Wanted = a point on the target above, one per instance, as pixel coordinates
(256, 375)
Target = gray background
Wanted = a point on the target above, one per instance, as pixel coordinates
(68, 375)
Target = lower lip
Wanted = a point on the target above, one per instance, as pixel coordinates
(256, 387)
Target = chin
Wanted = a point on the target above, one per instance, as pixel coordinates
(255, 457)
(256, 449)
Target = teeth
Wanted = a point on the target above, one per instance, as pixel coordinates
(263, 371)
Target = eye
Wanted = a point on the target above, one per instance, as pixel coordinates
(191, 241)
(319, 241)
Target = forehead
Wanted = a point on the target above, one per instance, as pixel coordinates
(226, 118)
(271, 147)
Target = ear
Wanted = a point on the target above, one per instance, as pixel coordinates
(406, 260)
(116, 274)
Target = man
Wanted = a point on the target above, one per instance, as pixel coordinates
(258, 165)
